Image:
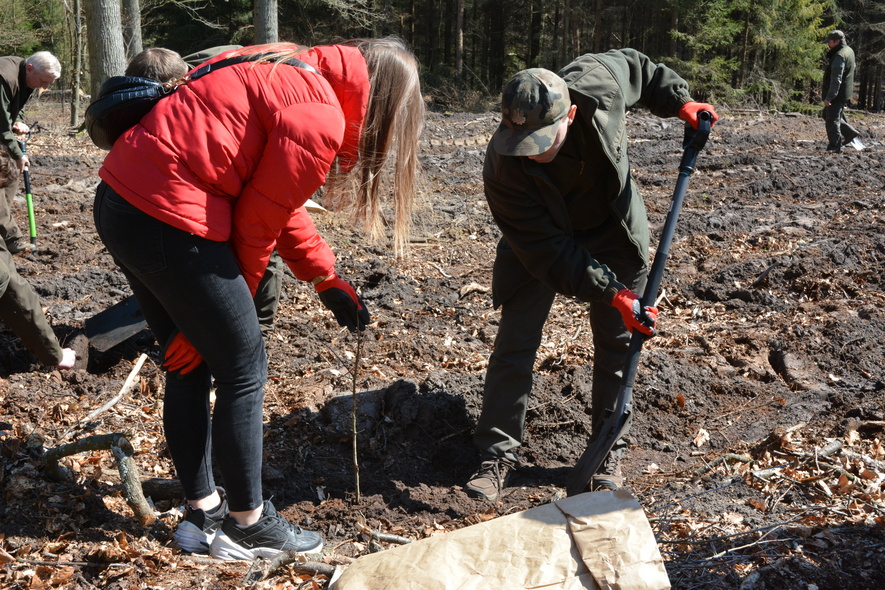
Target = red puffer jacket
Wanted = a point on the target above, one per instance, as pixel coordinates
(235, 154)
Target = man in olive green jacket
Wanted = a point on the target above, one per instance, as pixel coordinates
(838, 89)
(18, 80)
(557, 180)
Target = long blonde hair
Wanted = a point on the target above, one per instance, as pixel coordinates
(392, 126)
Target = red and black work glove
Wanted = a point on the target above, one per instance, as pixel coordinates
(341, 299)
(689, 112)
(628, 303)
(181, 355)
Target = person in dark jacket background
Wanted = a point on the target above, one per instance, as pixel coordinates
(18, 80)
(838, 89)
(557, 180)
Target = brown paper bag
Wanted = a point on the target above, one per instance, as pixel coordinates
(598, 540)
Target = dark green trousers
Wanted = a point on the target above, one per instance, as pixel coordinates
(9, 229)
(20, 309)
(501, 426)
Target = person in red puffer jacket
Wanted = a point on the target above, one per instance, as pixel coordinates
(192, 203)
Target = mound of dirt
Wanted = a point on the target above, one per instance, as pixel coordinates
(756, 447)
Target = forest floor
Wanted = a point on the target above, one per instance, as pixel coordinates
(757, 443)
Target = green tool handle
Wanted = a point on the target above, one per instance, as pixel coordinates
(32, 222)
(29, 198)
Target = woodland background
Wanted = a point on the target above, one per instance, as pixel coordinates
(732, 52)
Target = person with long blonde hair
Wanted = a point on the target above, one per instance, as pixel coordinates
(192, 202)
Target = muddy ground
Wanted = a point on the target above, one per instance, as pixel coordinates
(756, 448)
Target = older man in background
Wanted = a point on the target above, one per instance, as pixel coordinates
(18, 80)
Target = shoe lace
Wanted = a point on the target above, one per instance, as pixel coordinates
(297, 530)
(609, 465)
(494, 468)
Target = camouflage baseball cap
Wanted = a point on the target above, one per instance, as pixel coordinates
(532, 104)
(836, 35)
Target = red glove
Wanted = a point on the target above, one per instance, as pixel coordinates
(628, 303)
(341, 299)
(689, 112)
(181, 355)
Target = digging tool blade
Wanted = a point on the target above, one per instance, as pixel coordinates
(614, 424)
(115, 325)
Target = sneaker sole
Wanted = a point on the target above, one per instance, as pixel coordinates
(225, 549)
(190, 538)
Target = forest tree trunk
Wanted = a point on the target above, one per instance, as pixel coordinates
(132, 28)
(264, 17)
(104, 33)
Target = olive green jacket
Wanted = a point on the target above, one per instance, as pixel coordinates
(838, 84)
(538, 238)
(14, 93)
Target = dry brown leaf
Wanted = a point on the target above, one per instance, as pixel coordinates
(5, 557)
(62, 576)
(868, 474)
(471, 288)
(733, 518)
(680, 401)
(844, 486)
(702, 437)
(801, 531)
(876, 450)
(757, 504)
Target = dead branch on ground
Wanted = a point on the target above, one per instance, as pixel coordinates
(262, 568)
(383, 537)
(123, 452)
(128, 385)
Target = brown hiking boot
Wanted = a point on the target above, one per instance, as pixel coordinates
(609, 476)
(20, 245)
(489, 479)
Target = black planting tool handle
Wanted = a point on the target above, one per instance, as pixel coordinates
(612, 428)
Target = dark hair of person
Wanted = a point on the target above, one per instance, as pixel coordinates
(157, 63)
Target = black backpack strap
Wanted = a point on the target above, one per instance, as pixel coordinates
(238, 59)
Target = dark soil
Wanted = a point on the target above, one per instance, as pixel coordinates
(769, 353)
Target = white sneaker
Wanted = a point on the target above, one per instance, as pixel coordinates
(856, 143)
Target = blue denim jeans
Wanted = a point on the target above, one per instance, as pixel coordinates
(186, 283)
